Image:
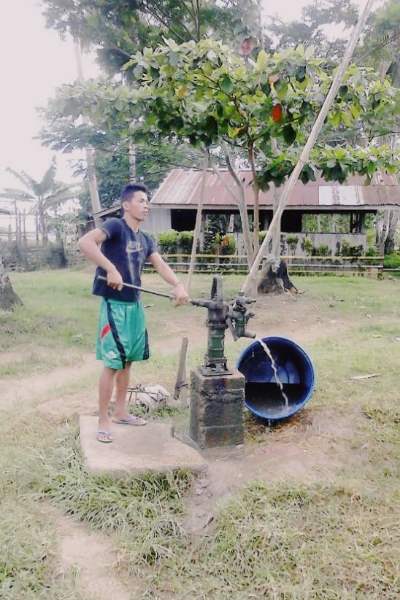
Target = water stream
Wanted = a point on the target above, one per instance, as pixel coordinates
(275, 370)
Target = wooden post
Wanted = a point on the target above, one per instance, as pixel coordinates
(181, 385)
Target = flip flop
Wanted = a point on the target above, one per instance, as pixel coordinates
(131, 420)
(104, 437)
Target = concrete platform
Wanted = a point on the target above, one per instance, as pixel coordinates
(136, 450)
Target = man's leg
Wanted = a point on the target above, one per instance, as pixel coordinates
(121, 388)
(105, 391)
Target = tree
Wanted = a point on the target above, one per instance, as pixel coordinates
(117, 29)
(45, 195)
(310, 29)
(261, 110)
(153, 162)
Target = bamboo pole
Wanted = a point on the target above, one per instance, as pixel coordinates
(305, 155)
(197, 227)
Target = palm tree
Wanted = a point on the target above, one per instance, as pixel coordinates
(46, 195)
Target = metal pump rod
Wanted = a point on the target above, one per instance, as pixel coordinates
(140, 289)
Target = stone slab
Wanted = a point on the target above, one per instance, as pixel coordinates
(136, 450)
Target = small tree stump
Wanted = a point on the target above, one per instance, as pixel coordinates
(8, 298)
(275, 281)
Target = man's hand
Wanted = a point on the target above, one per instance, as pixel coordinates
(114, 279)
(180, 295)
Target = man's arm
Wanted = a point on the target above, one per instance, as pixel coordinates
(89, 245)
(165, 271)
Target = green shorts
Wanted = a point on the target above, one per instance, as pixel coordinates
(122, 335)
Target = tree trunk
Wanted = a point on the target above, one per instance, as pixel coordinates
(381, 229)
(132, 162)
(241, 202)
(17, 232)
(256, 194)
(276, 233)
(8, 298)
(25, 240)
(43, 226)
(274, 276)
(275, 281)
(90, 152)
(37, 228)
(389, 245)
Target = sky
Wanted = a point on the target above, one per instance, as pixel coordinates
(34, 62)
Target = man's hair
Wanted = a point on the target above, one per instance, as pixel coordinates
(130, 189)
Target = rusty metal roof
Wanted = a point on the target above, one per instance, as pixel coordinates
(182, 188)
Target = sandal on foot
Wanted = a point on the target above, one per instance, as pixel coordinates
(104, 437)
(131, 420)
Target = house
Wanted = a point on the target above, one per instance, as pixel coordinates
(174, 206)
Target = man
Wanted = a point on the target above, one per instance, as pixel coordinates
(119, 249)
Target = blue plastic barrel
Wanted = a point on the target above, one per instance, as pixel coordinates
(263, 396)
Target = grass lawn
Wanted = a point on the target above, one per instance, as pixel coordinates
(325, 528)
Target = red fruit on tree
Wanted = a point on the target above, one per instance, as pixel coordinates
(277, 113)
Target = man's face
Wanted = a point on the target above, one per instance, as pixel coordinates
(138, 206)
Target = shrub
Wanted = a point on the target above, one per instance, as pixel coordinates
(392, 261)
(168, 241)
(227, 244)
(54, 256)
(307, 246)
(322, 251)
(350, 250)
(292, 241)
(185, 241)
(211, 242)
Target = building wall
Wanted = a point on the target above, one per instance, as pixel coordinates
(159, 220)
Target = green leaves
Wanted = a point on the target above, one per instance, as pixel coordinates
(205, 94)
(307, 174)
(226, 84)
(289, 134)
(262, 61)
(337, 164)
(300, 73)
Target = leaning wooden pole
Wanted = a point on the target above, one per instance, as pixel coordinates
(250, 280)
(197, 227)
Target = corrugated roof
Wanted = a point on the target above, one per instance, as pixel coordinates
(182, 188)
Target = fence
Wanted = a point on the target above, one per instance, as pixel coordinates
(297, 265)
(34, 257)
